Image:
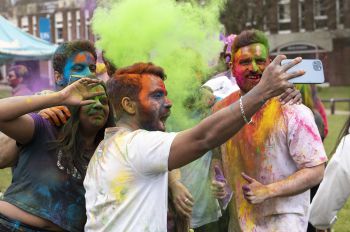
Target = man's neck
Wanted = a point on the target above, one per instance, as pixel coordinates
(127, 123)
(241, 92)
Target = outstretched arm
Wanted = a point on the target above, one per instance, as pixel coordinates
(14, 120)
(302, 180)
(217, 128)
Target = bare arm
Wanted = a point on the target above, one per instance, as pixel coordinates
(9, 151)
(217, 128)
(14, 120)
(302, 180)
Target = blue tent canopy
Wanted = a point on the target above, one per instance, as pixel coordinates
(16, 44)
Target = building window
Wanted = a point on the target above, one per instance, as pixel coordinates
(284, 11)
(320, 9)
(320, 14)
(59, 33)
(302, 16)
(340, 12)
(284, 16)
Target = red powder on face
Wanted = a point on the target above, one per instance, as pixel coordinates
(82, 57)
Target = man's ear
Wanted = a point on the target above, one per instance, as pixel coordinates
(232, 67)
(230, 64)
(58, 77)
(128, 105)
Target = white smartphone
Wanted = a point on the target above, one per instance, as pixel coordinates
(313, 68)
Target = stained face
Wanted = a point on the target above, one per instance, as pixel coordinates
(248, 65)
(12, 79)
(95, 115)
(153, 106)
(82, 64)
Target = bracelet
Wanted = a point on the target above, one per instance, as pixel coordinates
(242, 112)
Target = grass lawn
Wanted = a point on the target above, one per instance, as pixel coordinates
(336, 92)
(336, 122)
(5, 179)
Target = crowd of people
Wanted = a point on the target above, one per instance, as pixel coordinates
(94, 154)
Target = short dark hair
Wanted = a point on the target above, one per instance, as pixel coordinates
(126, 82)
(248, 37)
(111, 68)
(67, 49)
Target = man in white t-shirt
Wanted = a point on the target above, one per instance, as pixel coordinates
(127, 178)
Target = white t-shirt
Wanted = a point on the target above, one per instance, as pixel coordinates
(334, 189)
(222, 85)
(127, 182)
(196, 177)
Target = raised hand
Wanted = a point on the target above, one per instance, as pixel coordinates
(79, 91)
(254, 192)
(275, 78)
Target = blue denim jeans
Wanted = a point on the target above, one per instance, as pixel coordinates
(10, 225)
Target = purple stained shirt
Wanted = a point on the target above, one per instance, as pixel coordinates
(41, 188)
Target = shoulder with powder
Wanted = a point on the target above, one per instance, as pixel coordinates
(296, 111)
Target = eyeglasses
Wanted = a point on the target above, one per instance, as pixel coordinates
(74, 77)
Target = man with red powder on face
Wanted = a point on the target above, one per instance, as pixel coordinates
(273, 161)
(127, 178)
(18, 78)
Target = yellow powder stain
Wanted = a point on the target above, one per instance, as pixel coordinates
(246, 214)
(29, 100)
(246, 152)
(120, 186)
(266, 120)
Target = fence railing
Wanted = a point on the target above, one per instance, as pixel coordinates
(332, 102)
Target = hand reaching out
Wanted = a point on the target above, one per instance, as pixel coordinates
(275, 77)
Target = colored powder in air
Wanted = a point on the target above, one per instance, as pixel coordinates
(181, 37)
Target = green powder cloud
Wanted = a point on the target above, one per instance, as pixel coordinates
(181, 37)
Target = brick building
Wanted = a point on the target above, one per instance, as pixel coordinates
(67, 19)
(53, 20)
(307, 28)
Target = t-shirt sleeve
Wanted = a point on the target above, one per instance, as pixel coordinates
(151, 149)
(304, 141)
(40, 125)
